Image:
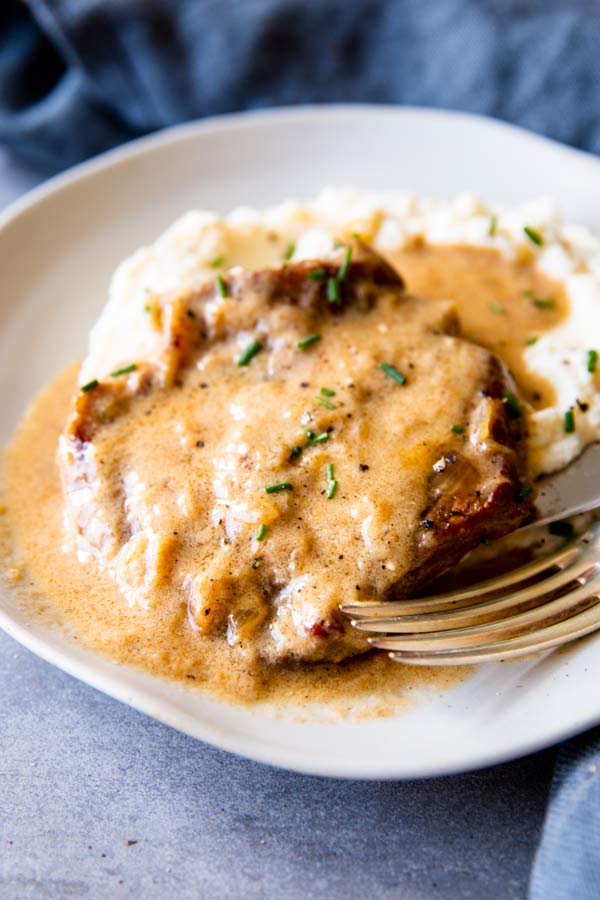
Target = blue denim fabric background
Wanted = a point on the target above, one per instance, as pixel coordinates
(79, 76)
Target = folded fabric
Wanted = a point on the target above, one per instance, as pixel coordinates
(567, 863)
(78, 76)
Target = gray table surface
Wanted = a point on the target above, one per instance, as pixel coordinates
(99, 801)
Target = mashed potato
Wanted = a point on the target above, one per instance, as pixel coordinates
(201, 244)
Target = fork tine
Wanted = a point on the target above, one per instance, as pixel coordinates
(560, 559)
(478, 613)
(513, 626)
(545, 639)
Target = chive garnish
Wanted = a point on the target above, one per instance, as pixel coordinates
(327, 392)
(531, 341)
(393, 373)
(592, 360)
(524, 493)
(331, 482)
(324, 402)
(333, 290)
(90, 386)
(281, 486)
(544, 302)
(295, 452)
(147, 307)
(221, 286)
(492, 226)
(317, 438)
(317, 275)
(289, 251)
(512, 404)
(124, 371)
(497, 307)
(249, 353)
(533, 235)
(345, 264)
(569, 421)
(458, 429)
(561, 529)
(260, 534)
(308, 340)
(217, 262)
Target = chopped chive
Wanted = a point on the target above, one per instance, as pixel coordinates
(592, 359)
(295, 452)
(324, 402)
(307, 341)
(544, 302)
(327, 392)
(249, 353)
(333, 290)
(90, 386)
(289, 251)
(217, 262)
(496, 307)
(393, 373)
(533, 235)
(492, 226)
(260, 534)
(221, 286)
(512, 404)
(524, 493)
(569, 421)
(317, 438)
(331, 482)
(531, 341)
(124, 371)
(458, 429)
(357, 235)
(337, 244)
(281, 486)
(345, 264)
(317, 275)
(561, 529)
(147, 307)
(310, 434)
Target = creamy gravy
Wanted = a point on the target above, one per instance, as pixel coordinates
(158, 636)
(501, 304)
(76, 596)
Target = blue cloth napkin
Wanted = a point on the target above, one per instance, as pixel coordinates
(567, 863)
(79, 76)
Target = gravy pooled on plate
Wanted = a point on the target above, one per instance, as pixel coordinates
(310, 435)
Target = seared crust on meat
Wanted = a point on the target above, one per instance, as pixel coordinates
(478, 491)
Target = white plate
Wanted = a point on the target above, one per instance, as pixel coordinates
(58, 247)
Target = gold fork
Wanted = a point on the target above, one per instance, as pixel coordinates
(541, 605)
